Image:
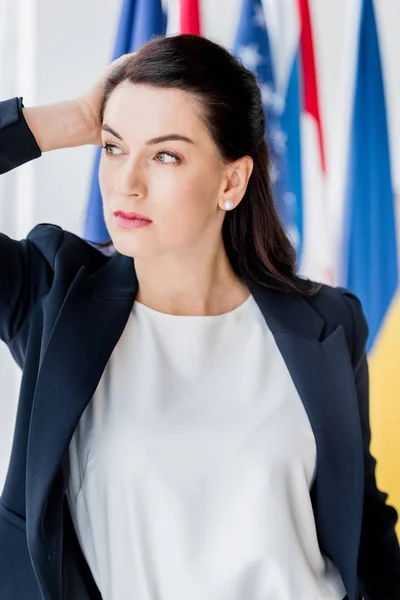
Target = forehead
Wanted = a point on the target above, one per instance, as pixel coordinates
(145, 110)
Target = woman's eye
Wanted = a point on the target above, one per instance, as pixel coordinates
(170, 158)
(108, 149)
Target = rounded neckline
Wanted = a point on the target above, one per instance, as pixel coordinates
(234, 311)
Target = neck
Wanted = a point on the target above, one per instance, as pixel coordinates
(190, 284)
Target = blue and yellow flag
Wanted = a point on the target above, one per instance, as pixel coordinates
(139, 21)
(371, 266)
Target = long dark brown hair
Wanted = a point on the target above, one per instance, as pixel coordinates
(254, 238)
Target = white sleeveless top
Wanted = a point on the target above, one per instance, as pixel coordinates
(191, 466)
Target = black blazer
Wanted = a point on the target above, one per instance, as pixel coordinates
(63, 307)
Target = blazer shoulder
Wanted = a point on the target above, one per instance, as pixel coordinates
(339, 306)
(48, 258)
(62, 247)
(47, 238)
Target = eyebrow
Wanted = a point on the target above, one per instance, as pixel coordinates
(156, 140)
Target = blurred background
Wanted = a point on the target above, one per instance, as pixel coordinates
(330, 83)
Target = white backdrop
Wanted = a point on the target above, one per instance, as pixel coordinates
(51, 51)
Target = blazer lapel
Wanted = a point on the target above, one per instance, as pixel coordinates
(322, 372)
(90, 322)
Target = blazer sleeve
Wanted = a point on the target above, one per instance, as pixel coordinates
(18, 144)
(379, 553)
(25, 272)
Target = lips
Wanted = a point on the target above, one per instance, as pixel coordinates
(131, 215)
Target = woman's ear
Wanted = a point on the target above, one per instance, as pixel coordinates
(235, 182)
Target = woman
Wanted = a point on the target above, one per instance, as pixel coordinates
(193, 418)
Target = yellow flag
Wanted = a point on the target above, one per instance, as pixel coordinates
(384, 367)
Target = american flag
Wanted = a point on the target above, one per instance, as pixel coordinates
(252, 46)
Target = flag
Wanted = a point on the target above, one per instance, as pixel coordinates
(190, 17)
(139, 21)
(370, 267)
(316, 260)
(252, 46)
(275, 42)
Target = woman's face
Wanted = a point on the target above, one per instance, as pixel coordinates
(176, 183)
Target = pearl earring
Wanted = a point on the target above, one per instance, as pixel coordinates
(116, 187)
(228, 204)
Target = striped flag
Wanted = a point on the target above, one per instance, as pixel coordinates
(276, 43)
(139, 21)
(370, 267)
(252, 46)
(317, 256)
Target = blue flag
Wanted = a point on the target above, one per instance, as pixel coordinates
(282, 114)
(370, 259)
(139, 21)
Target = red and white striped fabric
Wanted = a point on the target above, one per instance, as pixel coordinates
(291, 37)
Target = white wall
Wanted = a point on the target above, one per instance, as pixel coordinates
(56, 49)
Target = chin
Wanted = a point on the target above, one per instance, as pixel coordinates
(135, 249)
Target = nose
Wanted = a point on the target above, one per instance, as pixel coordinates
(130, 181)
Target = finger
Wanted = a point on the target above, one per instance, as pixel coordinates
(122, 59)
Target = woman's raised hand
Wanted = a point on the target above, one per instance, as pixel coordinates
(74, 122)
(90, 101)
